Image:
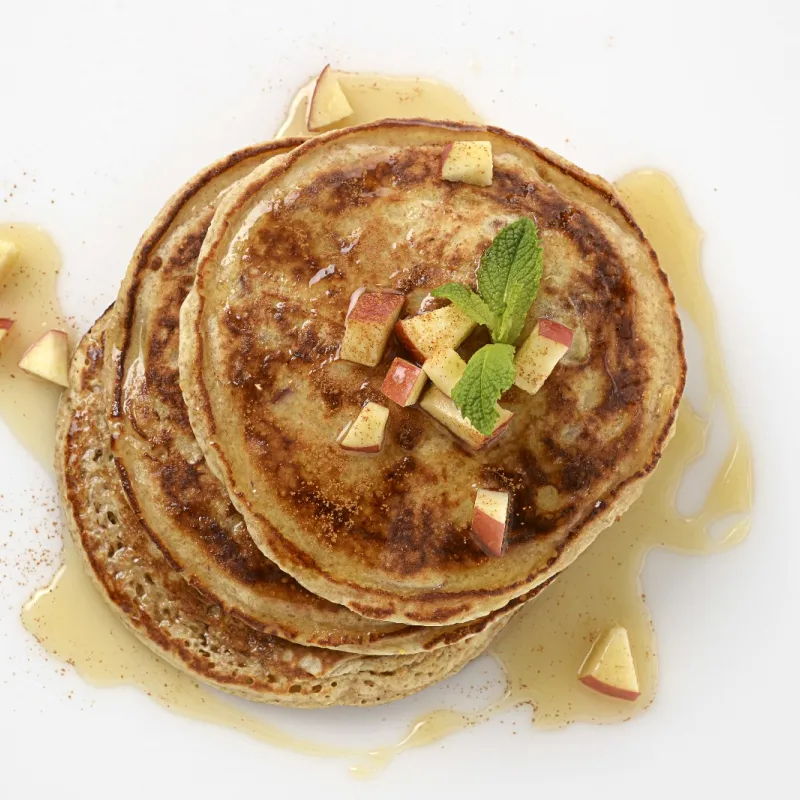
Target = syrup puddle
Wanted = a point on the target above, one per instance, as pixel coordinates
(544, 646)
(27, 404)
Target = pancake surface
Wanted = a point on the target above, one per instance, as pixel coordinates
(184, 508)
(388, 536)
(176, 621)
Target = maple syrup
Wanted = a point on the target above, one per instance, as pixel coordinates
(544, 646)
(27, 404)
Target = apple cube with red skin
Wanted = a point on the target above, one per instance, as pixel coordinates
(609, 667)
(444, 411)
(365, 434)
(328, 103)
(445, 368)
(369, 325)
(425, 334)
(468, 162)
(542, 350)
(490, 521)
(404, 382)
(8, 257)
(5, 328)
(48, 358)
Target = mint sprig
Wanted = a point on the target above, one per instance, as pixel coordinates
(469, 302)
(509, 277)
(489, 373)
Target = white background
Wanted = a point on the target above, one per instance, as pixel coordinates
(107, 107)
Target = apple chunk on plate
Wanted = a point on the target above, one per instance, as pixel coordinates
(8, 257)
(5, 327)
(490, 521)
(468, 162)
(365, 434)
(444, 411)
(404, 382)
(542, 350)
(369, 325)
(328, 103)
(425, 334)
(48, 358)
(609, 667)
(445, 368)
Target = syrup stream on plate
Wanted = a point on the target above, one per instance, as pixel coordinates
(544, 646)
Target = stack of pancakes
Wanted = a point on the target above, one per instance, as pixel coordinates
(198, 455)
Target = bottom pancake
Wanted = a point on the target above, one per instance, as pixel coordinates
(175, 620)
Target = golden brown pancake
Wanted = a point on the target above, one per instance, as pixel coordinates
(183, 507)
(389, 536)
(182, 625)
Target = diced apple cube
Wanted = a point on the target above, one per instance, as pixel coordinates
(48, 358)
(468, 162)
(404, 382)
(8, 257)
(609, 667)
(425, 334)
(5, 327)
(490, 521)
(365, 434)
(445, 368)
(542, 350)
(444, 411)
(369, 325)
(328, 103)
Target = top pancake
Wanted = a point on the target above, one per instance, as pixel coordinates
(183, 507)
(388, 535)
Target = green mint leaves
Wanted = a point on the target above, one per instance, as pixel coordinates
(469, 302)
(509, 276)
(489, 373)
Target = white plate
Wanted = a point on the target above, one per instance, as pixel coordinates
(106, 108)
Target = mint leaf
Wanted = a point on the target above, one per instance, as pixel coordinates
(468, 302)
(489, 373)
(509, 276)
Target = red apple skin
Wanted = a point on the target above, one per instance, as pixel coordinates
(403, 338)
(611, 691)
(445, 152)
(490, 440)
(555, 331)
(399, 392)
(371, 449)
(376, 306)
(6, 324)
(488, 533)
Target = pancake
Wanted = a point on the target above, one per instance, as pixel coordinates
(183, 507)
(388, 535)
(179, 623)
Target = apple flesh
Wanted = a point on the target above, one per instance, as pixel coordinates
(328, 103)
(404, 382)
(468, 162)
(425, 334)
(369, 325)
(5, 327)
(48, 358)
(444, 411)
(490, 521)
(542, 350)
(445, 368)
(365, 434)
(8, 257)
(609, 667)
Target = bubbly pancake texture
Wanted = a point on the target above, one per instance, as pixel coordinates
(183, 507)
(389, 535)
(179, 623)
